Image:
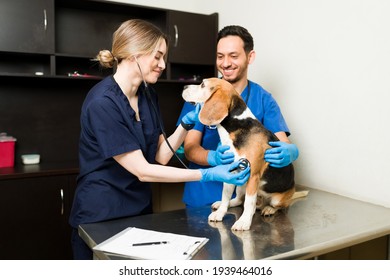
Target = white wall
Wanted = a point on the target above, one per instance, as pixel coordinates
(327, 62)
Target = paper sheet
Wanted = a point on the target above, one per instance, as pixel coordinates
(177, 247)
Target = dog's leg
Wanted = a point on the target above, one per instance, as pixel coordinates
(237, 201)
(281, 201)
(245, 221)
(223, 205)
(240, 196)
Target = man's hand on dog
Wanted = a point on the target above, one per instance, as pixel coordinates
(281, 154)
(220, 156)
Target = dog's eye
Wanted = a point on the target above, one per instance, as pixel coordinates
(202, 85)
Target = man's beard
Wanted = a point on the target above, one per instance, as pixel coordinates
(237, 78)
(233, 80)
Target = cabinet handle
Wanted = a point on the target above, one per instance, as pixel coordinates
(44, 19)
(176, 35)
(62, 201)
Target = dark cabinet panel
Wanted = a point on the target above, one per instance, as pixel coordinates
(85, 28)
(34, 214)
(84, 33)
(193, 38)
(27, 26)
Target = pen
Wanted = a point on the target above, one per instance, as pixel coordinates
(150, 243)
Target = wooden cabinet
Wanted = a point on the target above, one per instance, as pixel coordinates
(34, 213)
(193, 38)
(27, 26)
(192, 50)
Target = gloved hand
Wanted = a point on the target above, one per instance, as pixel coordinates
(222, 173)
(219, 156)
(191, 118)
(282, 154)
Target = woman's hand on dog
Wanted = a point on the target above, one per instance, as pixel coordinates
(223, 173)
(220, 156)
(281, 154)
(192, 117)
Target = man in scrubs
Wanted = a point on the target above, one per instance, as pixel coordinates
(235, 52)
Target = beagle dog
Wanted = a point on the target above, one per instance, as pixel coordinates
(268, 189)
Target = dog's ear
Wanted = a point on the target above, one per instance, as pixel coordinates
(215, 109)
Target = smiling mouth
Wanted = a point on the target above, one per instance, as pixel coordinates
(228, 71)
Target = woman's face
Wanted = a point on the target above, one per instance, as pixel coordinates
(154, 64)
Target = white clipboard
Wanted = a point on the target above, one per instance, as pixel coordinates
(136, 243)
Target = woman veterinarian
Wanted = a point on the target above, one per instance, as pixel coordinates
(121, 145)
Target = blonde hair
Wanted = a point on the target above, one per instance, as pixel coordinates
(134, 37)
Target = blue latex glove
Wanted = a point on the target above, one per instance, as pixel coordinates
(222, 173)
(219, 156)
(282, 154)
(192, 117)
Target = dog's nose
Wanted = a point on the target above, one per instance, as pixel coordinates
(185, 87)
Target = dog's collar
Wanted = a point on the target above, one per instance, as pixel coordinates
(212, 126)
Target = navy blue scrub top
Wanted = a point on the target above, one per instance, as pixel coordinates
(106, 190)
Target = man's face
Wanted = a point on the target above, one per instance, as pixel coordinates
(232, 61)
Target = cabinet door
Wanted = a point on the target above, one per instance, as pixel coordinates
(193, 37)
(27, 26)
(34, 216)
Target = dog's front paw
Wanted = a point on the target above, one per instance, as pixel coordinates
(215, 205)
(216, 216)
(268, 211)
(242, 224)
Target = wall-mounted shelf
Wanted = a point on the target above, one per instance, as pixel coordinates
(66, 35)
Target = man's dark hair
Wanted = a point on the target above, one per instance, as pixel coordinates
(236, 30)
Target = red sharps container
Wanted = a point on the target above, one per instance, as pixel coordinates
(7, 150)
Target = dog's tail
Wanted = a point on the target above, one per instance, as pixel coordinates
(299, 194)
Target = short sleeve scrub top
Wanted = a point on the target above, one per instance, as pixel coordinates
(106, 190)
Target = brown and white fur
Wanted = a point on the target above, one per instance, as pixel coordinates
(268, 189)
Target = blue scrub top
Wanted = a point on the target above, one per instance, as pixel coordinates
(106, 190)
(266, 110)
